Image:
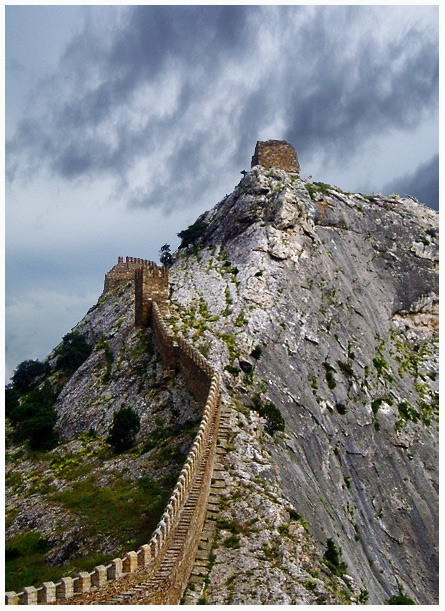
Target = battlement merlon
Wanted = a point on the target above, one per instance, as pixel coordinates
(124, 271)
(276, 154)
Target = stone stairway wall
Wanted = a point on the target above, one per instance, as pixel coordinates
(157, 573)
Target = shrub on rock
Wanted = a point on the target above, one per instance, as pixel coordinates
(125, 427)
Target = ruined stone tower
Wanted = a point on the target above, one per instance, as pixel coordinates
(277, 154)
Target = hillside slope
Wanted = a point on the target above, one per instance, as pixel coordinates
(325, 304)
(80, 503)
(319, 310)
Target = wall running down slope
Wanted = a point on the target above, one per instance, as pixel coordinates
(167, 559)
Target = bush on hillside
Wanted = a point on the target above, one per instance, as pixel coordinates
(73, 351)
(34, 418)
(191, 234)
(28, 374)
(269, 411)
(125, 427)
(400, 599)
(332, 558)
(11, 399)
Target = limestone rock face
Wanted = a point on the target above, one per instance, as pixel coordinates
(319, 309)
(340, 293)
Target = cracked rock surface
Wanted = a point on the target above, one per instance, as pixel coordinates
(339, 293)
(319, 309)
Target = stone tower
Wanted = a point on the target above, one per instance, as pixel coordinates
(276, 154)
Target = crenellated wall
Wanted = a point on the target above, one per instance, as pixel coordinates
(167, 559)
(152, 282)
(125, 271)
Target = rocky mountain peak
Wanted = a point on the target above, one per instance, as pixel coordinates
(331, 299)
(319, 310)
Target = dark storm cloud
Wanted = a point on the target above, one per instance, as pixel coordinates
(153, 34)
(351, 95)
(423, 184)
(323, 71)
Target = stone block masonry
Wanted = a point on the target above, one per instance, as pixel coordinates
(166, 561)
(124, 271)
(153, 282)
(276, 154)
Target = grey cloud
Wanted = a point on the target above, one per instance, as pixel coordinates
(352, 96)
(13, 65)
(330, 97)
(192, 32)
(423, 184)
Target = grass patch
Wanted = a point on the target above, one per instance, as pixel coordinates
(232, 542)
(156, 438)
(25, 562)
(232, 369)
(124, 510)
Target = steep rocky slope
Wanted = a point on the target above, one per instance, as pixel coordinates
(325, 304)
(319, 310)
(81, 504)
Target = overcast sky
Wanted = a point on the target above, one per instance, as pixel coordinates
(124, 123)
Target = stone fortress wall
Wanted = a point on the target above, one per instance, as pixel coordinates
(167, 559)
(276, 153)
(125, 270)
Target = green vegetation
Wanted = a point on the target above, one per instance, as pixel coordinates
(233, 370)
(11, 399)
(73, 351)
(346, 368)
(229, 525)
(28, 374)
(126, 424)
(144, 348)
(25, 561)
(332, 558)
(157, 437)
(380, 364)
(269, 411)
(314, 385)
(124, 510)
(329, 372)
(191, 234)
(408, 412)
(271, 551)
(230, 341)
(341, 408)
(34, 418)
(109, 359)
(376, 403)
(229, 301)
(232, 542)
(256, 352)
(240, 320)
(320, 187)
(165, 256)
(400, 599)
